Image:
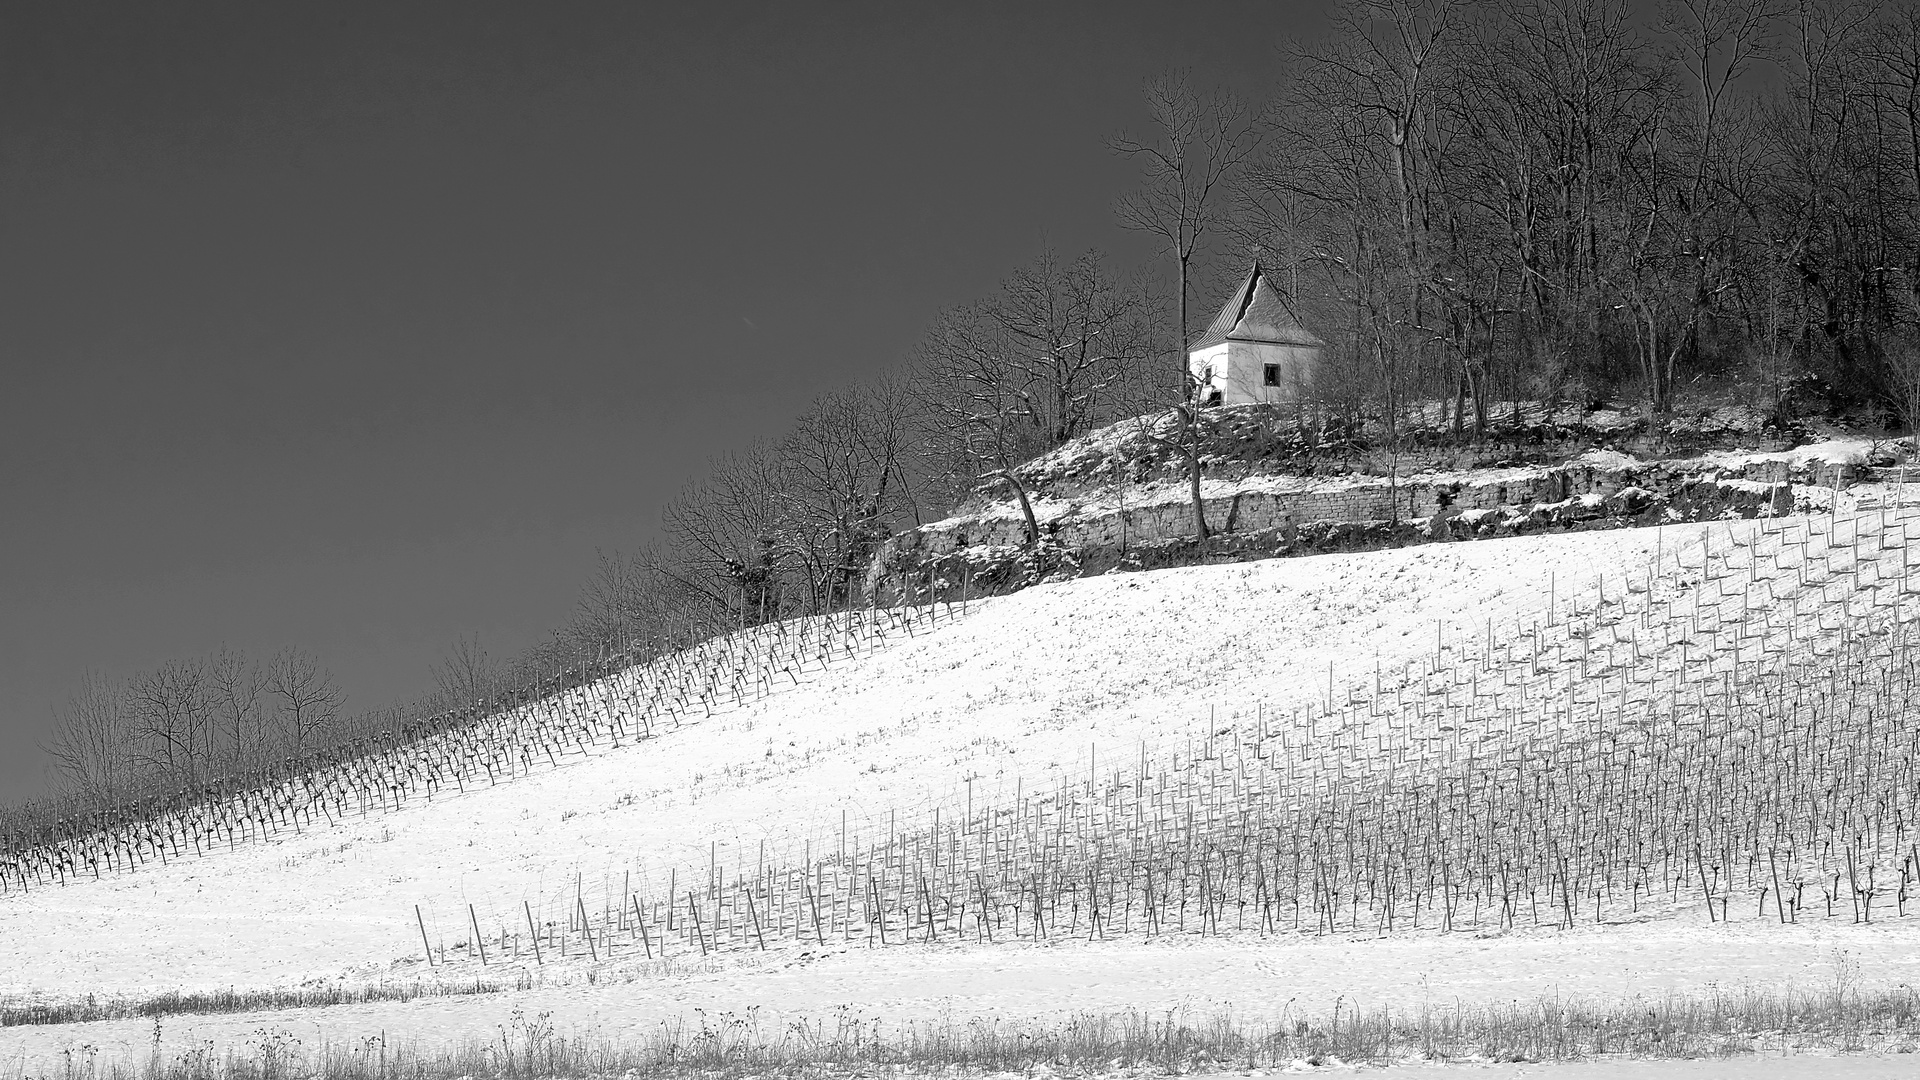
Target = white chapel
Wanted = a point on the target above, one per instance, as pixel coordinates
(1255, 351)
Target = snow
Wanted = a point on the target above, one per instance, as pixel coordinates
(1606, 459)
(1259, 980)
(1846, 450)
(1013, 691)
(1024, 686)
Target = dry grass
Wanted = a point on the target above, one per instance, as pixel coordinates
(1835, 1019)
(28, 1011)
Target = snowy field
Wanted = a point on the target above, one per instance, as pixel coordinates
(1256, 980)
(1016, 691)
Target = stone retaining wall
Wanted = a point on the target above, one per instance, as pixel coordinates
(988, 553)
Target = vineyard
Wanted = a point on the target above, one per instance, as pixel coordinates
(573, 715)
(1726, 730)
(1613, 750)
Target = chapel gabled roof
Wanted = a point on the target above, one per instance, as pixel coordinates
(1255, 312)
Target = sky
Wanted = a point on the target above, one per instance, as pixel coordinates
(362, 327)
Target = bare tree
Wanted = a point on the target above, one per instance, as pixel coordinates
(1902, 359)
(609, 616)
(848, 486)
(1326, 180)
(233, 691)
(972, 412)
(174, 721)
(1788, 292)
(306, 699)
(1079, 340)
(1201, 141)
(1354, 171)
(92, 741)
(1383, 65)
(1678, 205)
(1061, 348)
(466, 675)
(1181, 430)
(1895, 56)
(1551, 192)
(725, 532)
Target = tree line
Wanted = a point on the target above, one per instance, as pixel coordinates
(1475, 203)
(1559, 198)
(182, 724)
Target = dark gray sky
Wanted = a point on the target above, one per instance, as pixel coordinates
(360, 327)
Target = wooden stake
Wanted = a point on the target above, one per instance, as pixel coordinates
(424, 943)
(477, 940)
(532, 932)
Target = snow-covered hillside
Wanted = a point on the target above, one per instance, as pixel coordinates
(1007, 694)
(1016, 690)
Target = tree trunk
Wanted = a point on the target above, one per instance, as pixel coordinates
(1188, 390)
(1199, 505)
(1191, 417)
(1026, 507)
